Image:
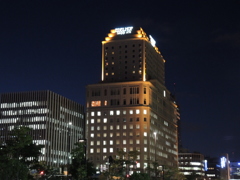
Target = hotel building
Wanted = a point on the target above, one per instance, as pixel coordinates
(131, 109)
(56, 122)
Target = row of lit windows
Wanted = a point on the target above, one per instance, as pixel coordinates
(117, 127)
(74, 113)
(117, 120)
(118, 134)
(23, 104)
(118, 112)
(25, 111)
(32, 126)
(133, 72)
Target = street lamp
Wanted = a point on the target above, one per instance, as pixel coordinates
(155, 134)
(68, 146)
(85, 150)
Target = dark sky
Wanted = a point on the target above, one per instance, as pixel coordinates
(56, 45)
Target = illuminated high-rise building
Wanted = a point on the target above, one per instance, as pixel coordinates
(56, 122)
(131, 109)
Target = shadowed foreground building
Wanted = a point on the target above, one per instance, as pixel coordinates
(56, 122)
(131, 109)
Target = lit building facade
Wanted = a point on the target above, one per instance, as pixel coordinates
(56, 122)
(131, 109)
(192, 163)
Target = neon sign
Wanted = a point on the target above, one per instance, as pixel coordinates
(152, 41)
(124, 30)
(223, 162)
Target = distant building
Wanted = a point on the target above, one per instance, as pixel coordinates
(192, 164)
(131, 108)
(212, 167)
(56, 122)
(235, 170)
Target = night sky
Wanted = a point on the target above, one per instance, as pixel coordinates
(56, 45)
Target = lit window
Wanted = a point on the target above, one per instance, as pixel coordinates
(137, 126)
(118, 112)
(124, 126)
(104, 150)
(92, 143)
(131, 111)
(112, 73)
(106, 74)
(164, 93)
(104, 134)
(137, 111)
(130, 141)
(91, 150)
(105, 120)
(92, 121)
(98, 128)
(99, 113)
(104, 142)
(98, 143)
(111, 134)
(105, 103)
(98, 120)
(98, 135)
(112, 63)
(111, 150)
(145, 141)
(111, 142)
(124, 142)
(117, 127)
(104, 127)
(124, 134)
(145, 149)
(92, 113)
(145, 133)
(130, 126)
(95, 103)
(130, 134)
(98, 150)
(117, 142)
(137, 141)
(92, 128)
(111, 113)
(117, 134)
(145, 111)
(92, 135)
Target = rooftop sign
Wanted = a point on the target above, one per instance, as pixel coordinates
(124, 30)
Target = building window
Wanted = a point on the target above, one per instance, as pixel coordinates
(98, 120)
(124, 111)
(95, 103)
(91, 150)
(111, 127)
(145, 90)
(145, 134)
(111, 113)
(111, 142)
(104, 120)
(92, 135)
(130, 126)
(111, 150)
(137, 141)
(118, 112)
(117, 127)
(91, 143)
(130, 111)
(137, 111)
(92, 114)
(92, 121)
(144, 111)
(104, 150)
(124, 142)
(99, 113)
(124, 126)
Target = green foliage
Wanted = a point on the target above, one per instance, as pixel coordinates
(119, 167)
(139, 176)
(15, 155)
(81, 168)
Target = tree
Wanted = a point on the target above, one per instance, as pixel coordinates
(120, 166)
(81, 168)
(18, 154)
